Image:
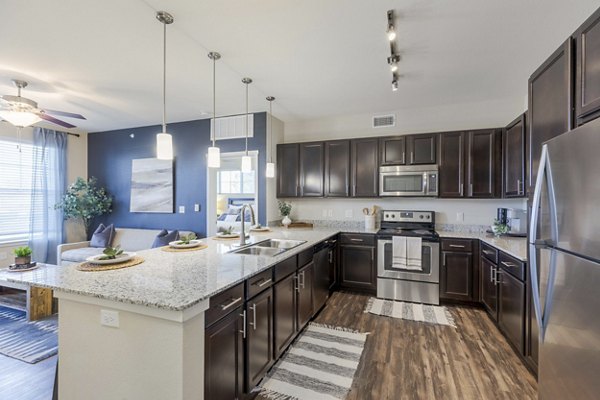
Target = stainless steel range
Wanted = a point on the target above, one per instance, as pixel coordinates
(397, 281)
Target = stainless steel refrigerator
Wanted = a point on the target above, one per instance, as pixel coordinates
(565, 264)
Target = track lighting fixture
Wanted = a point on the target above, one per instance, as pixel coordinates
(391, 31)
(395, 84)
(393, 62)
(394, 57)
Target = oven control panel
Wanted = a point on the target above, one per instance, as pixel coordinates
(407, 216)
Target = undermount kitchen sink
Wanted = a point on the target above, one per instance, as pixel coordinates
(269, 247)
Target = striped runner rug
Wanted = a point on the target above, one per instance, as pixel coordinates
(320, 365)
(410, 311)
(27, 341)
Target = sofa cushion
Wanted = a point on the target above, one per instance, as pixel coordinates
(103, 236)
(79, 255)
(164, 238)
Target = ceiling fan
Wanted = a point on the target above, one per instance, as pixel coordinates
(22, 112)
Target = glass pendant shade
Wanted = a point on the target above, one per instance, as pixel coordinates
(19, 119)
(270, 172)
(214, 157)
(164, 146)
(246, 164)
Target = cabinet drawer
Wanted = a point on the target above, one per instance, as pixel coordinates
(513, 266)
(460, 245)
(489, 252)
(305, 257)
(357, 239)
(258, 283)
(223, 303)
(285, 268)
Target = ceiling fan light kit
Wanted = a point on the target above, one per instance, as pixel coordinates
(214, 153)
(164, 141)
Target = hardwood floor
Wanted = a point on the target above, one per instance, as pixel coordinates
(22, 381)
(412, 360)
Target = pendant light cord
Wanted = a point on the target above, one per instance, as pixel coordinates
(164, 115)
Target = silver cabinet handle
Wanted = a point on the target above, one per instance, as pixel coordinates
(458, 246)
(243, 331)
(492, 275)
(519, 187)
(412, 157)
(488, 252)
(471, 189)
(356, 240)
(508, 264)
(498, 274)
(462, 187)
(253, 323)
(330, 257)
(263, 282)
(303, 279)
(233, 302)
(297, 283)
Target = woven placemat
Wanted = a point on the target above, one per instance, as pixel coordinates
(86, 266)
(222, 238)
(169, 249)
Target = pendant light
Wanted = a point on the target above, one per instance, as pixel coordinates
(270, 171)
(246, 160)
(164, 141)
(214, 154)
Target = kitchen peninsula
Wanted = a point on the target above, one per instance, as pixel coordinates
(155, 348)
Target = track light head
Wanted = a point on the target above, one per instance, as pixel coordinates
(395, 84)
(391, 33)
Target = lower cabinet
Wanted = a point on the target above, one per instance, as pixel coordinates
(357, 262)
(285, 317)
(224, 353)
(305, 281)
(259, 337)
(456, 274)
(511, 308)
(489, 291)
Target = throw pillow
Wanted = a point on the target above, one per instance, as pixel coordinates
(164, 238)
(102, 236)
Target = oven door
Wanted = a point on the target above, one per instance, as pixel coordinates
(430, 257)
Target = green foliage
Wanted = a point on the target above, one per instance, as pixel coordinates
(228, 231)
(24, 251)
(499, 229)
(84, 200)
(110, 253)
(186, 239)
(284, 208)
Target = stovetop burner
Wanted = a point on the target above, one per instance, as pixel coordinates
(409, 223)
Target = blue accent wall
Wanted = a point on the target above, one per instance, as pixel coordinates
(109, 160)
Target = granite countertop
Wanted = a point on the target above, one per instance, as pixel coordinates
(514, 246)
(172, 281)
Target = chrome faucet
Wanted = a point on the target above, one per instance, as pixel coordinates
(243, 218)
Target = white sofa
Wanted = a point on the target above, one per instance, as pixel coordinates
(128, 238)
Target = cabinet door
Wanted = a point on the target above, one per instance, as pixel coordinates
(311, 169)
(365, 168)
(333, 269)
(489, 290)
(305, 294)
(337, 168)
(357, 266)
(392, 150)
(224, 358)
(531, 331)
(483, 155)
(259, 337)
(587, 86)
(422, 149)
(514, 158)
(550, 104)
(511, 308)
(288, 163)
(452, 167)
(456, 280)
(321, 279)
(284, 313)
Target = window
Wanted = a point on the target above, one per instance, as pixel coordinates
(16, 171)
(235, 182)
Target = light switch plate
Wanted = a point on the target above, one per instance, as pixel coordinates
(197, 207)
(460, 217)
(181, 209)
(109, 318)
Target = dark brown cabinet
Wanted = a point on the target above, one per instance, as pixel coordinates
(311, 169)
(483, 165)
(392, 150)
(337, 168)
(511, 308)
(284, 311)
(550, 104)
(288, 162)
(489, 290)
(421, 149)
(224, 358)
(305, 294)
(364, 165)
(357, 263)
(514, 158)
(587, 84)
(452, 164)
(456, 274)
(259, 337)
(531, 331)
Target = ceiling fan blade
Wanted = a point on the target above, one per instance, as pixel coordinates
(64, 114)
(54, 120)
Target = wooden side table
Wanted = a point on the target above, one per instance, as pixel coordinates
(37, 303)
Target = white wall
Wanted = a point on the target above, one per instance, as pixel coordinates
(76, 166)
(419, 120)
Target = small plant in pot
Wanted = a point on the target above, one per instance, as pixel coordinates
(285, 209)
(22, 255)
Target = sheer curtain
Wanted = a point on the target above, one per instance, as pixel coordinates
(48, 187)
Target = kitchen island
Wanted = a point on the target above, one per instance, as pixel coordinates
(138, 332)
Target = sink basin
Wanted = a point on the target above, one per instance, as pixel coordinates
(280, 243)
(259, 251)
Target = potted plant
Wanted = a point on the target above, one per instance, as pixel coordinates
(84, 201)
(22, 255)
(285, 209)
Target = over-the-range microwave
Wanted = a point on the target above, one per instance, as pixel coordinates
(408, 180)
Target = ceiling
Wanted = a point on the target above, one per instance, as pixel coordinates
(103, 59)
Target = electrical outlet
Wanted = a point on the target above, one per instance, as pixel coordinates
(197, 207)
(330, 213)
(181, 209)
(324, 212)
(460, 217)
(109, 318)
(349, 213)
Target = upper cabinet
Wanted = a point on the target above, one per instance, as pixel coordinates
(337, 168)
(364, 167)
(392, 150)
(587, 99)
(550, 104)
(421, 149)
(311, 169)
(452, 164)
(514, 158)
(288, 164)
(483, 166)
